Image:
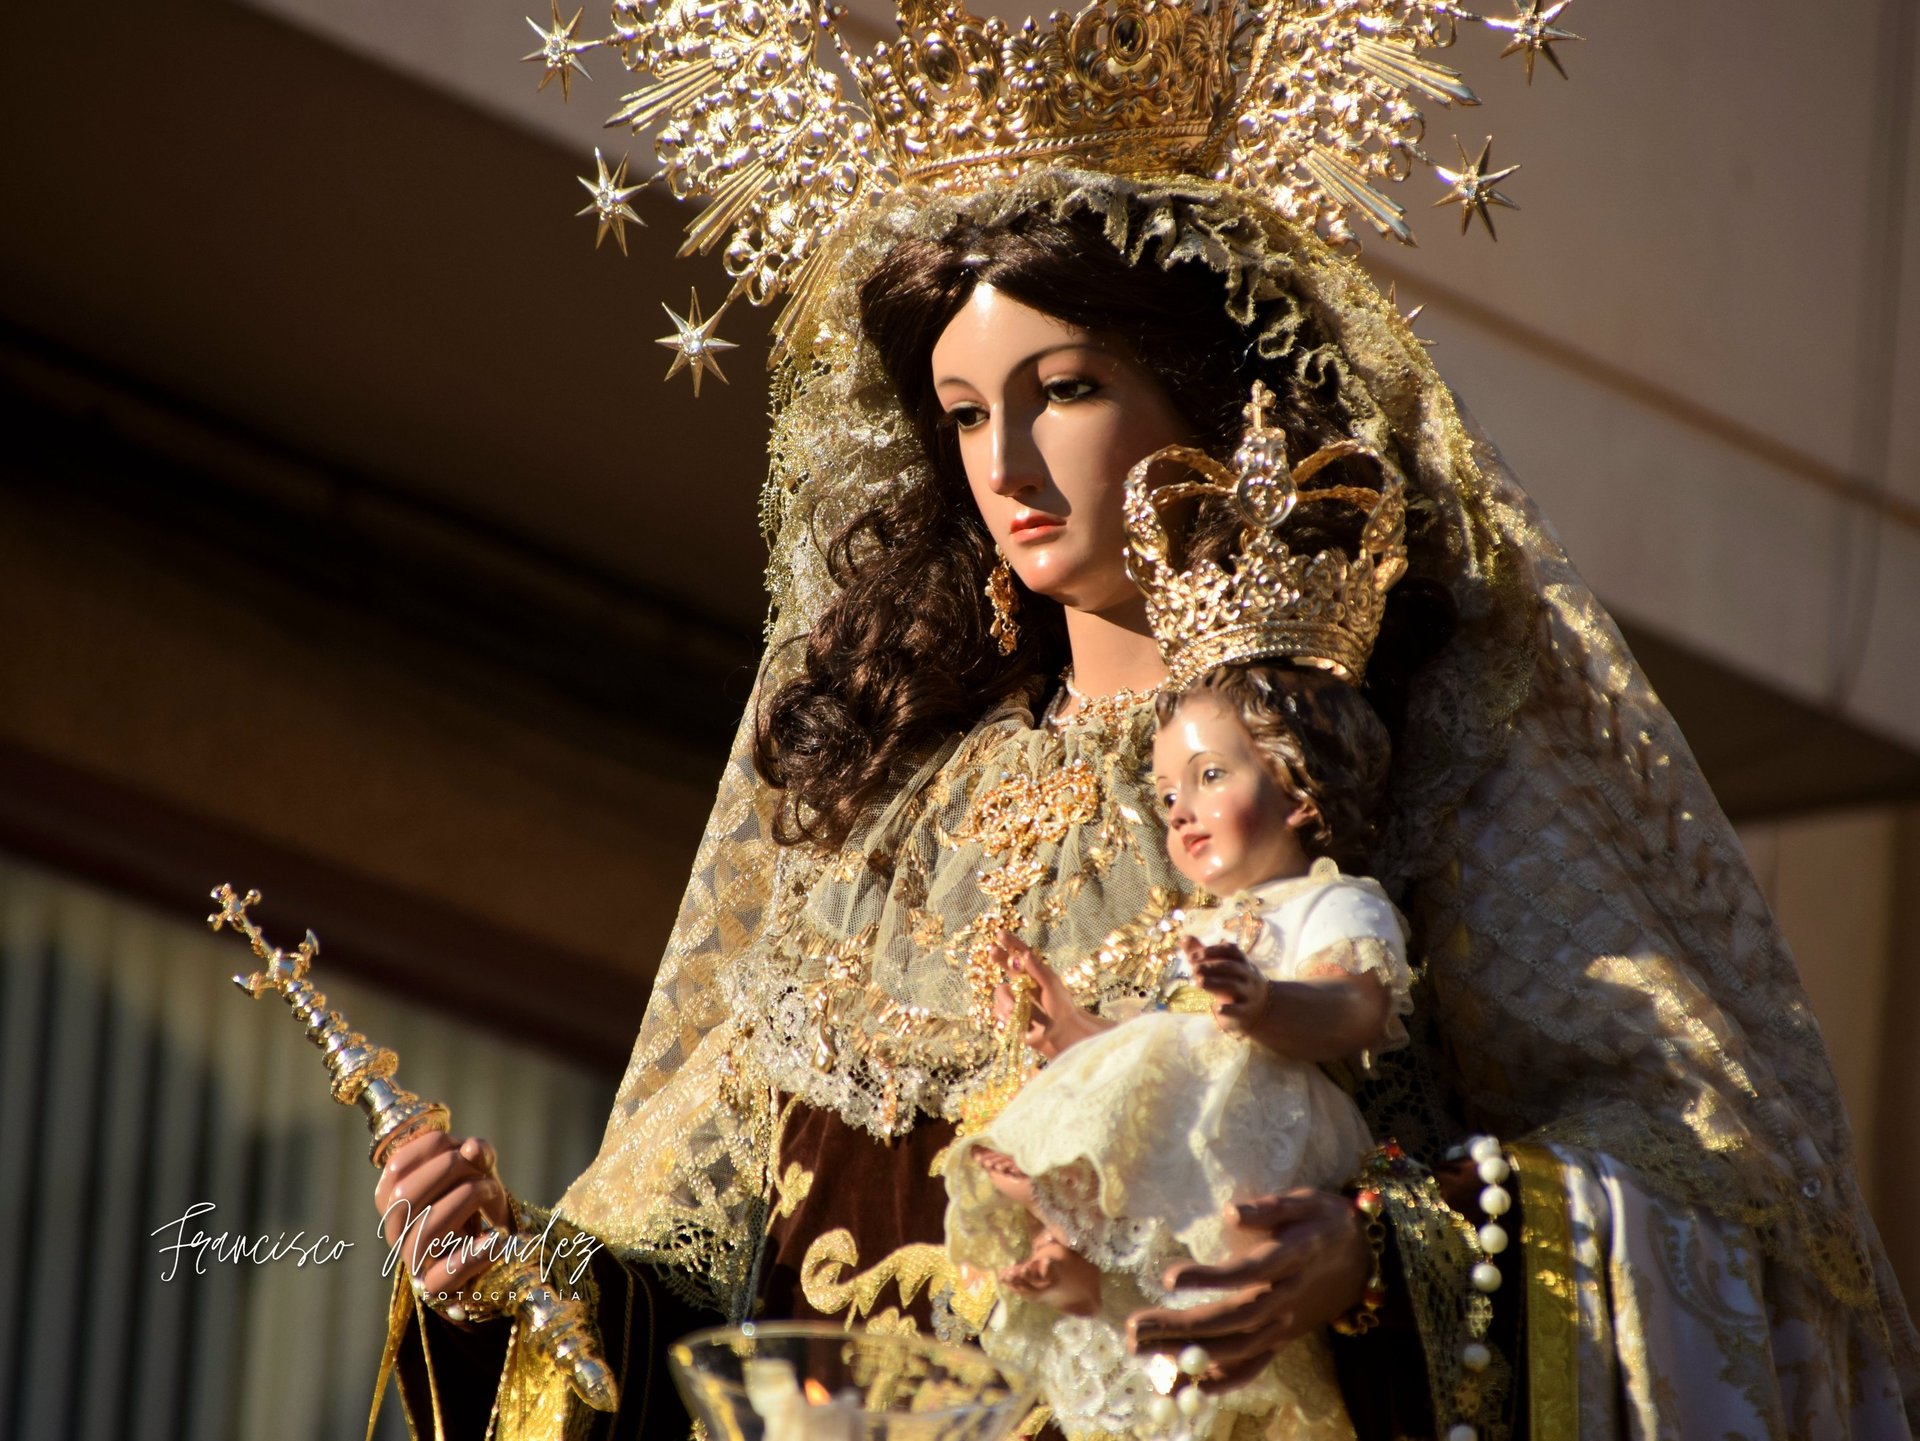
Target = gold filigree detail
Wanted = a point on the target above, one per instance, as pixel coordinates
(910, 1269)
(793, 1187)
(1013, 819)
(1247, 924)
(1135, 959)
(928, 928)
(1136, 87)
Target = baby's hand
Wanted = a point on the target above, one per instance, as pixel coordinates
(1240, 992)
(1056, 1021)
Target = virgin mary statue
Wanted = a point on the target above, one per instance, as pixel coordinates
(949, 730)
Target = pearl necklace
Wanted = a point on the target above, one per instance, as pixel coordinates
(1091, 710)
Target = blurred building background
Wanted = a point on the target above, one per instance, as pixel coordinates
(351, 548)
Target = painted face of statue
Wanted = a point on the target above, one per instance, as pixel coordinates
(1230, 824)
(1050, 419)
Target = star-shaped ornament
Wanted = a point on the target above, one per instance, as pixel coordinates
(694, 343)
(609, 203)
(1535, 34)
(1472, 187)
(559, 51)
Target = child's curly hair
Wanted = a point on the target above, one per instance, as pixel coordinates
(1319, 737)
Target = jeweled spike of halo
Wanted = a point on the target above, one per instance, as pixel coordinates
(1348, 185)
(1402, 66)
(731, 199)
(1314, 106)
(645, 105)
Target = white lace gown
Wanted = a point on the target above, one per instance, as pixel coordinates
(1138, 1139)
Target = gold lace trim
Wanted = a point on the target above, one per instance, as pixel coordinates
(1438, 1250)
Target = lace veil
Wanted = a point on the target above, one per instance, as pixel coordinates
(1600, 962)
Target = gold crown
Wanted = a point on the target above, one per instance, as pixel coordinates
(1320, 608)
(1135, 88)
(1311, 105)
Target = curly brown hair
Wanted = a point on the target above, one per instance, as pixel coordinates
(901, 657)
(1321, 740)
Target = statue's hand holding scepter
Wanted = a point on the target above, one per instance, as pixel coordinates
(421, 1167)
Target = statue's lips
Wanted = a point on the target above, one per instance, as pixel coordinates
(1033, 524)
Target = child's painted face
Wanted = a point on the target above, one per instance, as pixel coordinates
(1229, 823)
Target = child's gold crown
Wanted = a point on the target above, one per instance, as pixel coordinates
(1320, 608)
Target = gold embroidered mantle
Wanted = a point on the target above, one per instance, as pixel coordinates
(860, 998)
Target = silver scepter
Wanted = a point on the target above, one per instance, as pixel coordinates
(362, 1074)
